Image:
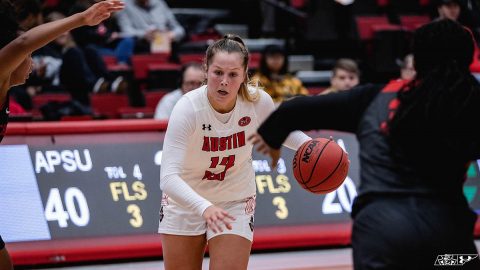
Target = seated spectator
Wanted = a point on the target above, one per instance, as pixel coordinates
(192, 77)
(448, 9)
(345, 76)
(104, 37)
(149, 20)
(466, 14)
(407, 70)
(77, 74)
(273, 75)
(29, 13)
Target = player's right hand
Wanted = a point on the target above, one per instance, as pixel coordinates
(216, 218)
(101, 11)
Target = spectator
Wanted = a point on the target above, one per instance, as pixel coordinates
(146, 20)
(105, 37)
(29, 13)
(464, 13)
(407, 70)
(449, 9)
(193, 76)
(77, 75)
(345, 76)
(273, 75)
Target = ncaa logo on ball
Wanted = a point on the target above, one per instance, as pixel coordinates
(308, 151)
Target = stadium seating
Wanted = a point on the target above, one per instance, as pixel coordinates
(106, 105)
(153, 97)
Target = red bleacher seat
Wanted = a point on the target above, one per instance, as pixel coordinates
(383, 3)
(298, 3)
(365, 24)
(424, 3)
(107, 104)
(76, 118)
(109, 60)
(204, 37)
(140, 63)
(386, 27)
(136, 112)
(255, 60)
(475, 66)
(153, 97)
(412, 22)
(163, 66)
(191, 57)
(42, 99)
(113, 65)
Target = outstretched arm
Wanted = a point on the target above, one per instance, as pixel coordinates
(341, 111)
(16, 51)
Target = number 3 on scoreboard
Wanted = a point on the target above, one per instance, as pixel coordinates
(137, 220)
(282, 212)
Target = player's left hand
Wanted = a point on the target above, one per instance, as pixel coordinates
(264, 148)
(101, 11)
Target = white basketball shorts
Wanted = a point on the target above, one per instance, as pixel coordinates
(177, 220)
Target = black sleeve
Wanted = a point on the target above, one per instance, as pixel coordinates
(340, 111)
(4, 116)
(2, 244)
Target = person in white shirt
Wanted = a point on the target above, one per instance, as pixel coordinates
(192, 77)
(207, 177)
(146, 20)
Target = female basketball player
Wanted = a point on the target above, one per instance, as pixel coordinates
(207, 175)
(417, 140)
(16, 62)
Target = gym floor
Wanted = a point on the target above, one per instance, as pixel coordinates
(322, 259)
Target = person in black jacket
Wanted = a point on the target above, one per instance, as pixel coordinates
(416, 141)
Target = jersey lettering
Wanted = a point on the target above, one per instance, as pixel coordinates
(214, 144)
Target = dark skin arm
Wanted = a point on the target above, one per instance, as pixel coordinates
(14, 53)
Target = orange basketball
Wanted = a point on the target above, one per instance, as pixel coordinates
(320, 165)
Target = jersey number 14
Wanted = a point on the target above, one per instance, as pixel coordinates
(228, 162)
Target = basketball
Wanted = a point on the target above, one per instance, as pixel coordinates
(320, 165)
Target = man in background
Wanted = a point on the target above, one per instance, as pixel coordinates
(346, 75)
(147, 20)
(192, 77)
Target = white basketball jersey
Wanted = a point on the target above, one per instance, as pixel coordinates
(218, 163)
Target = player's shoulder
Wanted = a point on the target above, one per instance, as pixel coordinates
(196, 93)
(263, 98)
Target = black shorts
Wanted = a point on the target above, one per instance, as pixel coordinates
(2, 244)
(411, 233)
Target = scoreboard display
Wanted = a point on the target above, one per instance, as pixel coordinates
(96, 185)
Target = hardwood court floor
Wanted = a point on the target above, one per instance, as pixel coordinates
(334, 259)
(322, 259)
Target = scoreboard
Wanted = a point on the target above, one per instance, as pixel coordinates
(87, 185)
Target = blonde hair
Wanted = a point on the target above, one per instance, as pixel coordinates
(232, 43)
